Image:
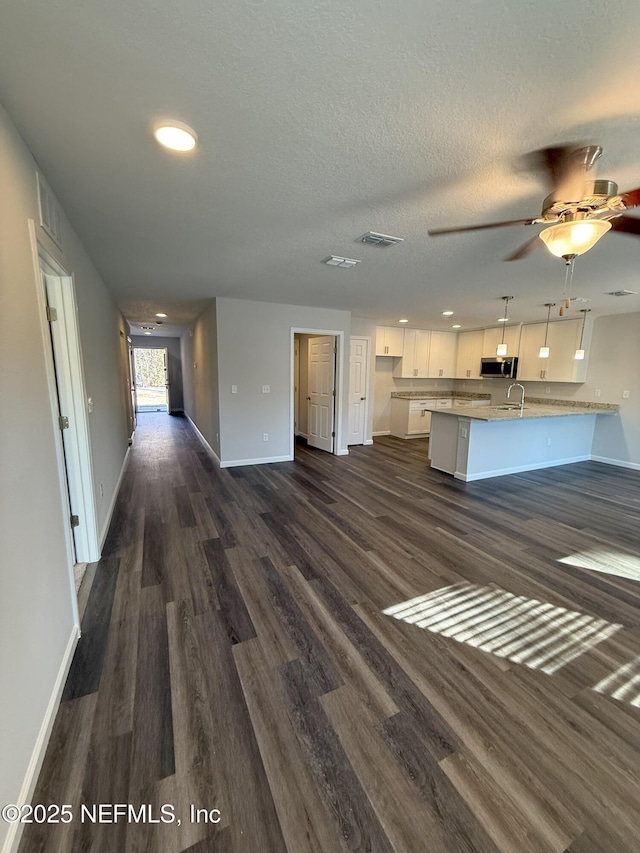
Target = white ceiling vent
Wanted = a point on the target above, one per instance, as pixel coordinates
(337, 261)
(50, 213)
(622, 293)
(371, 238)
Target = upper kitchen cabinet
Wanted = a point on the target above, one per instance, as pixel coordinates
(470, 345)
(415, 355)
(563, 339)
(442, 355)
(389, 341)
(493, 337)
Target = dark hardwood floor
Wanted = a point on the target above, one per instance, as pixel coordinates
(354, 654)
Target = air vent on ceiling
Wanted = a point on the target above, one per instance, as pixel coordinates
(337, 261)
(147, 328)
(50, 213)
(374, 239)
(622, 293)
(575, 300)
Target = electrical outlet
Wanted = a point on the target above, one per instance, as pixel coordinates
(597, 392)
(265, 436)
(625, 395)
(266, 389)
(234, 389)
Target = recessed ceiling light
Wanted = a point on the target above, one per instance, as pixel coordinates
(403, 321)
(502, 320)
(176, 136)
(160, 314)
(447, 313)
(456, 326)
(147, 333)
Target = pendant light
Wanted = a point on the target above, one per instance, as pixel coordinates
(579, 356)
(544, 351)
(501, 349)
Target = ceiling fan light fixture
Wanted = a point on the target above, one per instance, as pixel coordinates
(574, 238)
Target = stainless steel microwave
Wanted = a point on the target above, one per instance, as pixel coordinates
(500, 367)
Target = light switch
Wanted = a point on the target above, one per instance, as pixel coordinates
(234, 389)
(266, 389)
(625, 395)
(90, 403)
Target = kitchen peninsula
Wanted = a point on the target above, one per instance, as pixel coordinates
(494, 440)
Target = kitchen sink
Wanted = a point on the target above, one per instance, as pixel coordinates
(509, 408)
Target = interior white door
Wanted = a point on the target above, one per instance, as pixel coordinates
(321, 388)
(72, 415)
(358, 373)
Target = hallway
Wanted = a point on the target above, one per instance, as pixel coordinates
(354, 654)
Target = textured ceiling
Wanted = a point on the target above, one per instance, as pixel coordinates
(318, 122)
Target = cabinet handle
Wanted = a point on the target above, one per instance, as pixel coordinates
(415, 371)
(468, 373)
(441, 371)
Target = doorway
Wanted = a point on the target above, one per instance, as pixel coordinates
(316, 405)
(151, 379)
(70, 408)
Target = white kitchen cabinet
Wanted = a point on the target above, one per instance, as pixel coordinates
(415, 355)
(493, 337)
(442, 355)
(563, 340)
(469, 354)
(389, 341)
(411, 418)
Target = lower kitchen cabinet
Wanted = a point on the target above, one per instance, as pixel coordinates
(411, 418)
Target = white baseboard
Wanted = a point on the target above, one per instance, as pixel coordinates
(12, 839)
(302, 435)
(382, 432)
(343, 452)
(368, 441)
(518, 469)
(107, 521)
(635, 466)
(236, 463)
(204, 442)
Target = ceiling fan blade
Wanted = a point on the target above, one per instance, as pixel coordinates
(631, 198)
(626, 225)
(437, 232)
(567, 167)
(524, 250)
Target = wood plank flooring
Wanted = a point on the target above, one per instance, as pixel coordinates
(354, 654)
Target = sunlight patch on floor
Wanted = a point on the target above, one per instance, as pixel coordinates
(609, 562)
(623, 684)
(523, 630)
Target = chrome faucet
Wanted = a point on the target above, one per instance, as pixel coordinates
(521, 387)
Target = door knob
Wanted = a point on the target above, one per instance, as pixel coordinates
(363, 398)
(308, 398)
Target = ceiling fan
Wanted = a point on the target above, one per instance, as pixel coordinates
(577, 212)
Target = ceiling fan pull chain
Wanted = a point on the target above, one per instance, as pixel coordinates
(568, 281)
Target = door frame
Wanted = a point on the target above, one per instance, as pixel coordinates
(339, 335)
(42, 260)
(167, 383)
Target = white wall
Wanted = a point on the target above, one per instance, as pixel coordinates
(614, 366)
(36, 616)
(255, 349)
(174, 363)
(199, 348)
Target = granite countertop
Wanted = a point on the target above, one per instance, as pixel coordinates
(439, 395)
(534, 408)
